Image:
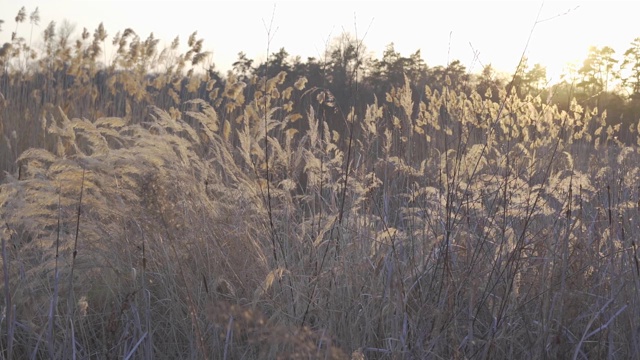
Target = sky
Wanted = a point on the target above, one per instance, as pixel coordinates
(477, 32)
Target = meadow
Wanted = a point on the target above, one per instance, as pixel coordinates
(153, 211)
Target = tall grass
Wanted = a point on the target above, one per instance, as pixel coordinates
(462, 229)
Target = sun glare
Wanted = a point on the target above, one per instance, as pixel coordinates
(476, 32)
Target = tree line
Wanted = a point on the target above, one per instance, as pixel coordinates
(140, 71)
(603, 80)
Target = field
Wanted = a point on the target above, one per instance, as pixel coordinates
(173, 215)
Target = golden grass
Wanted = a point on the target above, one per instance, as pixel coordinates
(470, 229)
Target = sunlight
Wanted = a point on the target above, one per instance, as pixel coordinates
(336, 180)
(476, 32)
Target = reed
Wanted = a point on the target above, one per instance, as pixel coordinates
(218, 220)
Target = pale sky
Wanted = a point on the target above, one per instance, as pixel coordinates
(443, 30)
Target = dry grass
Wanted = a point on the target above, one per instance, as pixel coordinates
(467, 229)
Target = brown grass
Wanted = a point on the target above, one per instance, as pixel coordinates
(467, 229)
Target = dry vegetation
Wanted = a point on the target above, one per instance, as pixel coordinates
(141, 222)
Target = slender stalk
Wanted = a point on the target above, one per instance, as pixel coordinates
(70, 300)
(8, 306)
